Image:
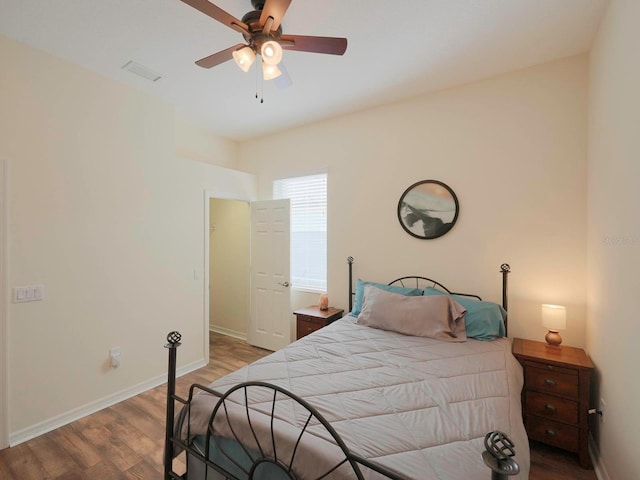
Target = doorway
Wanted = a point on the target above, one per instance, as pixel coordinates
(223, 299)
(229, 266)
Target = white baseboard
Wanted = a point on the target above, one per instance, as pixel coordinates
(596, 459)
(77, 413)
(228, 332)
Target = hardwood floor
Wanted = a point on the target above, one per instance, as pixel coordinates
(125, 441)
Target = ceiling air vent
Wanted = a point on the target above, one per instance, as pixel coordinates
(142, 71)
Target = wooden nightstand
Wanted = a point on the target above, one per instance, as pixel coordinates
(311, 318)
(555, 398)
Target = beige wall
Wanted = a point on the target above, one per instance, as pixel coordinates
(513, 148)
(229, 269)
(614, 235)
(107, 217)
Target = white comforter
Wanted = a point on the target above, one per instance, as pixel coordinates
(417, 406)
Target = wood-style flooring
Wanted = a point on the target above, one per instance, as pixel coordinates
(126, 441)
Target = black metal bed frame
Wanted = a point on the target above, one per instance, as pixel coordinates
(498, 455)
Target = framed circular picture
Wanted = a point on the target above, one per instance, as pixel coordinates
(428, 209)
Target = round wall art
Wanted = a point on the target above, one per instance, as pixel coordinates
(428, 209)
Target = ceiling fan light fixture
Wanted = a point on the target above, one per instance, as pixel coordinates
(271, 52)
(244, 58)
(269, 72)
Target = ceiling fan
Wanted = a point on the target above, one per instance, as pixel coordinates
(262, 31)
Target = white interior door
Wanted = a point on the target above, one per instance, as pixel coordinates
(270, 316)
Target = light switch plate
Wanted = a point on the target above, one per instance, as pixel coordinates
(30, 293)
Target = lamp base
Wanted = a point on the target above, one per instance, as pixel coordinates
(553, 339)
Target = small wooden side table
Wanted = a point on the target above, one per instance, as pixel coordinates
(311, 318)
(555, 398)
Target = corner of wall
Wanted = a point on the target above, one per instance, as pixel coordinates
(198, 144)
(598, 466)
(4, 354)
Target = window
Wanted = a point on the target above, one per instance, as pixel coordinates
(308, 197)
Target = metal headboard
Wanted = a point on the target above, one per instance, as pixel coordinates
(422, 282)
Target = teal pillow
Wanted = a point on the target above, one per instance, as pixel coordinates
(360, 284)
(483, 320)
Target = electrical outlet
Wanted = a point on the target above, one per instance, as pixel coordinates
(115, 353)
(602, 407)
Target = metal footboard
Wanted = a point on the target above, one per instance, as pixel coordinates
(263, 455)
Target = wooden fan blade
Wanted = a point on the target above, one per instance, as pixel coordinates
(218, 58)
(303, 43)
(276, 10)
(218, 14)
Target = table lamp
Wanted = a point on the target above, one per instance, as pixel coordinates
(554, 318)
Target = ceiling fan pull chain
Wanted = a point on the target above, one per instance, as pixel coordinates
(256, 77)
(261, 85)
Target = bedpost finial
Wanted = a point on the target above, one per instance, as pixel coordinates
(505, 268)
(499, 454)
(349, 260)
(174, 339)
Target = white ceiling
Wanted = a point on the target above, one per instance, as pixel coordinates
(397, 49)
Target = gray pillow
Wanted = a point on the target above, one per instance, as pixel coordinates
(437, 316)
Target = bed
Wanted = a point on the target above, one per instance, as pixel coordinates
(359, 400)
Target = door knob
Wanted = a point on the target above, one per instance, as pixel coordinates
(284, 284)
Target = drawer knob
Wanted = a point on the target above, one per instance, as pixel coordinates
(550, 408)
(551, 433)
(550, 381)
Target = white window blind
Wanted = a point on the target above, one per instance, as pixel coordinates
(308, 200)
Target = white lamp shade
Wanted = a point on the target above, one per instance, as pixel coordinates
(271, 52)
(244, 58)
(554, 317)
(269, 72)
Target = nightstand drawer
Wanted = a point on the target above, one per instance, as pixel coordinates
(551, 368)
(552, 381)
(309, 319)
(553, 408)
(307, 325)
(552, 433)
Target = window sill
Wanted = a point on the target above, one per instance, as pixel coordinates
(307, 290)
